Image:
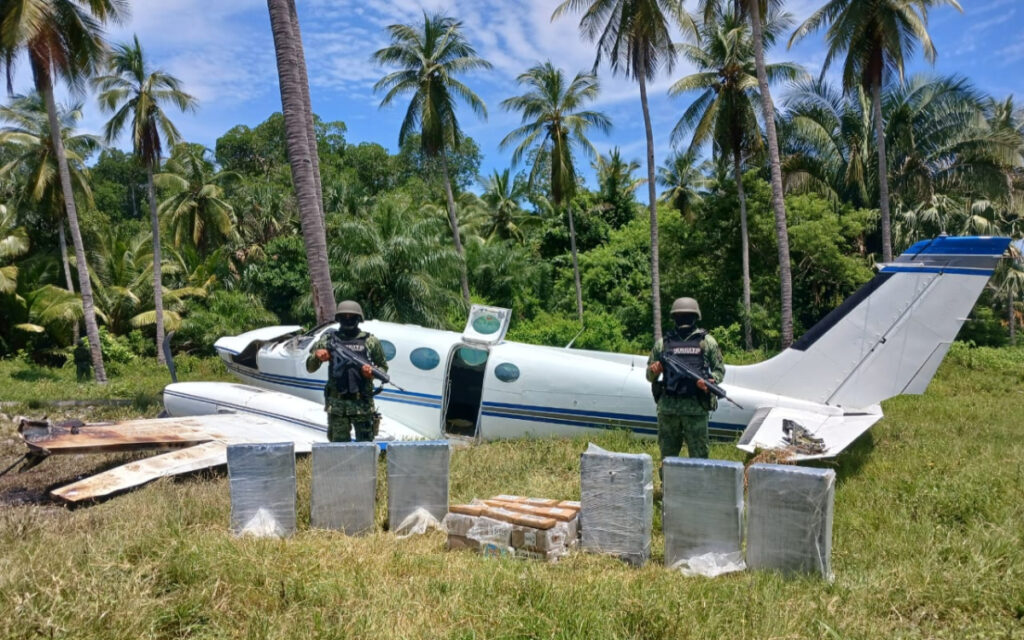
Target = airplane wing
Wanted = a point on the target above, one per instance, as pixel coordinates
(200, 442)
(766, 430)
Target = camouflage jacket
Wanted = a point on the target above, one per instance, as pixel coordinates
(676, 405)
(335, 402)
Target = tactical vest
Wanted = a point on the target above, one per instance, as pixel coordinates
(692, 355)
(344, 377)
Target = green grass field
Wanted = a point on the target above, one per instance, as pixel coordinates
(928, 542)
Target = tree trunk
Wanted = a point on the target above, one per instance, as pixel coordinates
(453, 221)
(314, 156)
(299, 159)
(748, 341)
(67, 274)
(653, 206)
(158, 282)
(575, 262)
(84, 285)
(883, 171)
(778, 203)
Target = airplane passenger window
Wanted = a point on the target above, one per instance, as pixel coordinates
(506, 372)
(424, 358)
(472, 357)
(389, 349)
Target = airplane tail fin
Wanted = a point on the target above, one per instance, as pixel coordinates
(890, 336)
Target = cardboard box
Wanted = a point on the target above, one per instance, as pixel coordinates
(541, 540)
(458, 543)
(546, 556)
(458, 524)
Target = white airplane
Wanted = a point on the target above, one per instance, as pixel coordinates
(887, 339)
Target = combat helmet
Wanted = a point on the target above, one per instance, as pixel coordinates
(349, 307)
(685, 305)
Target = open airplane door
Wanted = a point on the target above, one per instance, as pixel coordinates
(466, 369)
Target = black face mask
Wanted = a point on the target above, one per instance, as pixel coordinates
(347, 325)
(685, 321)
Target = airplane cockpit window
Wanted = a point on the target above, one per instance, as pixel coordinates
(424, 358)
(506, 372)
(389, 349)
(303, 340)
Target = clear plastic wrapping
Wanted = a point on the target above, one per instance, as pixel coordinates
(703, 509)
(417, 479)
(789, 521)
(344, 486)
(617, 498)
(262, 483)
(491, 537)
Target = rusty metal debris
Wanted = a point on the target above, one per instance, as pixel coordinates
(197, 442)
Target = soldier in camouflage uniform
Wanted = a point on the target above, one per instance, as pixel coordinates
(348, 394)
(684, 406)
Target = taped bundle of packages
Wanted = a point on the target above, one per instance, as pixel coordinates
(617, 503)
(417, 479)
(789, 525)
(703, 515)
(262, 484)
(344, 486)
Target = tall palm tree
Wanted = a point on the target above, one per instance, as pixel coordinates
(635, 37)
(133, 91)
(196, 211)
(34, 165)
(756, 9)
(555, 126)
(429, 57)
(617, 187)
(64, 40)
(294, 84)
(726, 110)
(875, 36)
(828, 142)
(503, 196)
(684, 180)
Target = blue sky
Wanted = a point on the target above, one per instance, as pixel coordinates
(223, 51)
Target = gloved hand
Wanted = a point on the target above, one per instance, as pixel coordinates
(703, 386)
(655, 367)
(322, 355)
(367, 371)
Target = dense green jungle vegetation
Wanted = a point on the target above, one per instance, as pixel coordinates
(233, 256)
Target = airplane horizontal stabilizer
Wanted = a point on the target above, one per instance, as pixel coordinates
(824, 435)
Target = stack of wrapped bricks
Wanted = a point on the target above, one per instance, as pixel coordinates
(536, 528)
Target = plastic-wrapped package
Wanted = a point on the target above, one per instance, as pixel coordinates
(703, 509)
(417, 479)
(262, 483)
(492, 537)
(617, 503)
(344, 486)
(789, 519)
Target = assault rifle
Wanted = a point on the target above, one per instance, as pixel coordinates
(343, 356)
(680, 368)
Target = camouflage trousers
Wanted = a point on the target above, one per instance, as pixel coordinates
(675, 429)
(344, 414)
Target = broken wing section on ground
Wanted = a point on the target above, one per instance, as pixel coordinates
(835, 431)
(199, 442)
